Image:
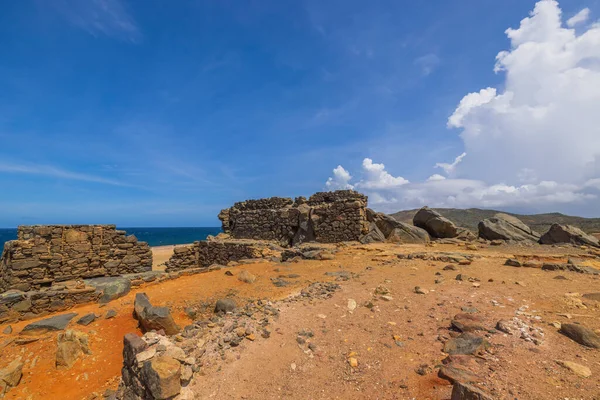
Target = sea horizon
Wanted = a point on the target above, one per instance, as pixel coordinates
(154, 236)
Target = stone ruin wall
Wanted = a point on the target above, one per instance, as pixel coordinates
(203, 254)
(326, 217)
(44, 255)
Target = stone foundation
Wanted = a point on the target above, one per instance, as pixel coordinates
(326, 217)
(203, 254)
(43, 255)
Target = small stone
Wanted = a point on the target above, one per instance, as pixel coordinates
(504, 326)
(450, 267)
(145, 355)
(353, 362)
(228, 273)
(464, 391)
(476, 284)
(423, 369)
(70, 345)
(312, 347)
(190, 312)
(352, 304)
(419, 290)
(577, 369)
(513, 262)
(11, 374)
(251, 337)
(162, 376)
(110, 314)
(7, 330)
(246, 276)
(300, 340)
(387, 298)
(225, 306)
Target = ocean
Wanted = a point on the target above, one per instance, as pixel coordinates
(154, 236)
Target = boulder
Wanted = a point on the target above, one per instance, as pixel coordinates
(162, 377)
(52, 324)
(225, 306)
(132, 346)
(436, 225)
(374, 235)
(506, 227)
(466, 322)
(383, 227)
(581, 335)
(153, 318)
(10, 376)
(568, 234)
(70, 345)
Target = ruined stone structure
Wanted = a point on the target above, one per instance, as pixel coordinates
(44, 255)
(203, 254)
(326, 217)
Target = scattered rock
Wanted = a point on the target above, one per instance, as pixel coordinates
(420, 290)
(450, 267)
(52, 324)
(86, 319)
(352, 304)
(246, 276)
(577, 369)
(7, 330)
(468, 322)
(464, 391)
(278, 282)
(504, 326)
(228, 273)
(353, 362)
(112, 288)
(190, 312)
(466, 343)
(110, 314)
(225, 306)
(153, 318)
(10, 376)
(592, 296)
(513, 262)
(70, 345)
(581, 335)
(453, 374)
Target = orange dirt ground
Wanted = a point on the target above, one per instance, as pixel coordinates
(278, 368)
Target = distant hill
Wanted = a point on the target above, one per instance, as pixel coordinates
(469, 218)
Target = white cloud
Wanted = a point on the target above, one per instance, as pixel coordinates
(340, 179)
(55, 172)
(533, 142)
(449, 168)
(578, 18)
(427, 63)
(376, 177)
(99, 17)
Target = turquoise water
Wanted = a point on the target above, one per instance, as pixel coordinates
(154, 236)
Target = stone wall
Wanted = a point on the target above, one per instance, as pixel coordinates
(327, 217)
(203, 254)
(43, 255)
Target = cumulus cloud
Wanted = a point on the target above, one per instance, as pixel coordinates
(532, 142)
(376, 177)
(578, 18)
(340, 179)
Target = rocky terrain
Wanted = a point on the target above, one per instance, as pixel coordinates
(421, 310)
(376, 321)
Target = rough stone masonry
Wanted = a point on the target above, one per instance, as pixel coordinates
(43, 255)
(326, 217)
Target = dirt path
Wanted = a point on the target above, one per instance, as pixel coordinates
(279, 367)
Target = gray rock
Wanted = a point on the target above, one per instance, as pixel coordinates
(506, 227)
(436, 225)
(111, 287)
(568, 234)
(52, 324)
(513, 262)
(464, 391)
(391, 230)
(132, 346)
(225, 306)
(466, 343)
(86, 319)
(110, 314)
(581, 335)
(153, 318)
(592, 296)
(8, 330)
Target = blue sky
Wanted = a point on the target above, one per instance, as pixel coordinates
(155, 113)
